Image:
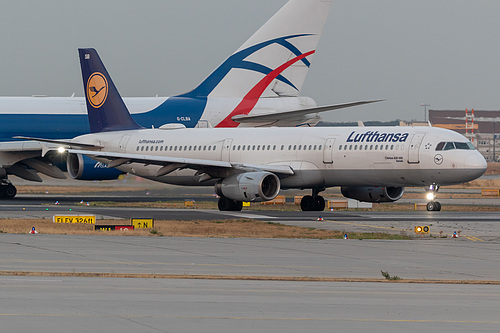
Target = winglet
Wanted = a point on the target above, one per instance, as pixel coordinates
(105, 107)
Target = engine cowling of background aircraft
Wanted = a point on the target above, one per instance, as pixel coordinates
(82, 167)
(249, 186)
(373, 193)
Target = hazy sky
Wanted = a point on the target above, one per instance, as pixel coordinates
(445, 53)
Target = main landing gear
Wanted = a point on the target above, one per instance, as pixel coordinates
(433, 205)
(226, 204)
(7, 190)
(313, 202)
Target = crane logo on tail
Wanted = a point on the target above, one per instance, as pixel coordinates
(97, 89)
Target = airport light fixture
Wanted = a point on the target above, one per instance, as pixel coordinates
(425, 111)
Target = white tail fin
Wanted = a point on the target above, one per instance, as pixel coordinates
(275, 60)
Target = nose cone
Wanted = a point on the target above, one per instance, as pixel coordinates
(475, 165)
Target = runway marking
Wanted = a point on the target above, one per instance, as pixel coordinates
(243, 277)
(442, 321)
(475, 239)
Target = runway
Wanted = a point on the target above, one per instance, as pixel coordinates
(192, 305)
(80, 304)
(123, 305)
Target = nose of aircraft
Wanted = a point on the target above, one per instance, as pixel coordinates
(475, 165)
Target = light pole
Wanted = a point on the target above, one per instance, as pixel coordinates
(425, 111)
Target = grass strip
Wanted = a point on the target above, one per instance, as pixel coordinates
(241, 277)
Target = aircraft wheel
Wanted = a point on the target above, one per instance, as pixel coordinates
(433, 206)
(9, 191)
(320, 203)
(226, 204)
(307, 203)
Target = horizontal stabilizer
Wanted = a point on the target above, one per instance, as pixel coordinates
(296, 113)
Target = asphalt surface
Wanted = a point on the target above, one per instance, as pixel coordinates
(60, 304)
(78, 304)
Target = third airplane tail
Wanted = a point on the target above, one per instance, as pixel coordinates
(275, 60)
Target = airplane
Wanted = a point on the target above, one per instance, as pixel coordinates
(258, 85)
(371, 164)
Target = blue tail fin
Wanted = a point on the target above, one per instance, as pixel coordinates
(105, 107)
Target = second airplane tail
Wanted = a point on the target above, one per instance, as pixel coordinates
(105, 107)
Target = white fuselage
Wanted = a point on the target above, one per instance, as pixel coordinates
(319, 157)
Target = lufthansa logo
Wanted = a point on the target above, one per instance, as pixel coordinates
(97, 89)
(438, 159)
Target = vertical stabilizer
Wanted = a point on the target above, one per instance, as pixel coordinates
(274, 62)
(105, 107)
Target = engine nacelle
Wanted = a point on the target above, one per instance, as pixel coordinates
(373, 193)
(249, 186)
(84, 168)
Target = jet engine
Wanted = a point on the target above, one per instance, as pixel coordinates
(82, 167)
(373, 193)
(249, 186)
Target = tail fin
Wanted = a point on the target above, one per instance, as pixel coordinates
(275, 60)
(105, 107)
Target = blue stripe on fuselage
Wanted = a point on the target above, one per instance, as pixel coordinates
(183, 110)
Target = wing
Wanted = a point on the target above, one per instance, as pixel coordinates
(277, 116)
(168, 164)
(23, 159)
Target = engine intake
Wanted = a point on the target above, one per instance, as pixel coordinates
(249, 186)
(82, 167)
(373, 193)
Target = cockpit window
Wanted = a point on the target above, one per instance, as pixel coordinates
(461, 145)
(449, 146)
(455, 145)
(440, 145)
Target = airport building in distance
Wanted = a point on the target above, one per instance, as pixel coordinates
(481, 127)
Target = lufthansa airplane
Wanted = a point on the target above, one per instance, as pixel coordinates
(258, 85)
(252, 164)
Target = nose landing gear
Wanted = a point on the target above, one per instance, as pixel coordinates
(433, 205)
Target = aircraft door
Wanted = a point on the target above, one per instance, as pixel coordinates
(328, 151)
(123, 143)
(414, 149)
(226, 149)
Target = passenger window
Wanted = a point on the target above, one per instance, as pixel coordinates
(137, 149)
(449, 146)
(147, 148)
(295, 147)
(243, 148)
(142, 148)
(282, 147)
(440, 146)
(340, 147)
(355, 147)
(319, 147)
(350, 147)
(269, 147)
(371, 147)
